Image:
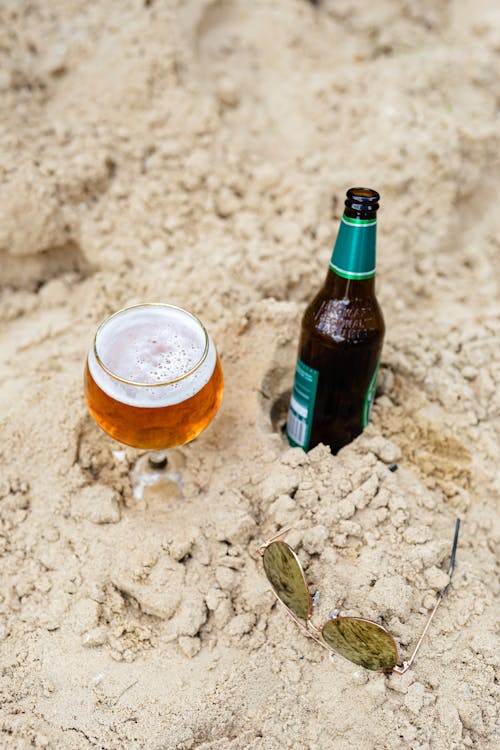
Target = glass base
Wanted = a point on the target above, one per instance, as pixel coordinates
(159, 471)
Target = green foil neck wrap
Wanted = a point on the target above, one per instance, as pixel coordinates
(353, 256)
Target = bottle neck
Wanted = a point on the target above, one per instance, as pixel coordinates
(338, 287)
(353, 258)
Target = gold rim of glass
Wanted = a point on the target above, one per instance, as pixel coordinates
(163, 383)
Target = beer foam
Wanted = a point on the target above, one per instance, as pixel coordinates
(148, 345)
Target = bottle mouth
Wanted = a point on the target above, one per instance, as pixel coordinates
(362, 199)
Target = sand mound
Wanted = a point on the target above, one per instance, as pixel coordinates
(198, 153)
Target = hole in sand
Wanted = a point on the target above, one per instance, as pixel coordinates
(279, 411)
(274, 399)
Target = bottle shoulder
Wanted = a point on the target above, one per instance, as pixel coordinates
(343, 319)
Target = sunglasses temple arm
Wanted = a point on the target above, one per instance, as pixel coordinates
(407, 664)
(440, 596)
(452, 558)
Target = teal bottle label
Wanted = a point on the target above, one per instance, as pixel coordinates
(354, 252)
(369, 397)
(301, 413)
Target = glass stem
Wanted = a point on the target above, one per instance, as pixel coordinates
(157, 459)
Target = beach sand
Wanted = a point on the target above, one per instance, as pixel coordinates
(198, 153)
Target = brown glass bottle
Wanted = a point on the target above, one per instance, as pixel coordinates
(341, 337)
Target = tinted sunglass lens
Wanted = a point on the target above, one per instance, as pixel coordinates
(363, 642)
(286, 578)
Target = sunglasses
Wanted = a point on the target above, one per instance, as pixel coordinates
(363, 642)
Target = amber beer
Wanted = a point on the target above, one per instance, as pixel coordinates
(153, 378)
(341, 337)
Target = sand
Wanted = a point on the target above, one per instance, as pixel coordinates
(198, 153)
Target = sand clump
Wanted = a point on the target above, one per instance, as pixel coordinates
(198, 153)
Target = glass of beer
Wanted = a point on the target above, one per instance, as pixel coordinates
(153, 379)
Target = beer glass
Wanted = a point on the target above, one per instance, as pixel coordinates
(153, 379)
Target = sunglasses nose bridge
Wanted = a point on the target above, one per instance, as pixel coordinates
(313, 628)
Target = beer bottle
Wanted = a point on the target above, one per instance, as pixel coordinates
(341, 337)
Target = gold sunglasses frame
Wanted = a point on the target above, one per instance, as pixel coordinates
(312, 631)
